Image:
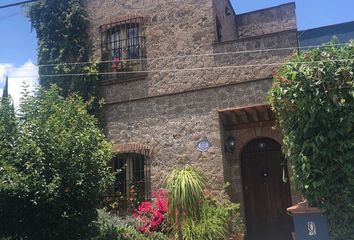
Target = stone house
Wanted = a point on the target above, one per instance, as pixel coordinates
(186, 82)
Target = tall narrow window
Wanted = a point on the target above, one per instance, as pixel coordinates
(218, 30)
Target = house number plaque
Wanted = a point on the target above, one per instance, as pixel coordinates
(203, 145)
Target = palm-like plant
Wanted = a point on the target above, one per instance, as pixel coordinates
(185, 196)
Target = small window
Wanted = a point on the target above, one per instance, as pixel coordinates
(218, 30)
(227, 11)
(131, 173)
(122, 45)
(123, 42)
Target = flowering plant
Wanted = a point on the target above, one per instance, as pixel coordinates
(119, 64)
(151, 214)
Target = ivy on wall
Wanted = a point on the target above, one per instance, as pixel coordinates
(313, 98)
(62, 32)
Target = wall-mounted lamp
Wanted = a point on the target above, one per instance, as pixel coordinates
(227, 11)
(230, 144)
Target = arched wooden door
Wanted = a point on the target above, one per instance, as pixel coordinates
(266, 191)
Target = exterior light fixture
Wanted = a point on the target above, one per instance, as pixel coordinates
(227, 11)
(230, 144)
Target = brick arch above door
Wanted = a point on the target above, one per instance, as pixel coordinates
(244, 136)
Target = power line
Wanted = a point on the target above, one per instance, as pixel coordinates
(187, 56)
(16, 4)
(9, 16)
(183, 69)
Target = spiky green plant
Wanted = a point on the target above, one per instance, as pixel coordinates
(185, 196)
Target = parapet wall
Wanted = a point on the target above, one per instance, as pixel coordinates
(266, 21)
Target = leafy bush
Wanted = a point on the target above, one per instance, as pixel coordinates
(113, 227)
(53, 168)
(106, 225)
(185, 196)
(313, 98)
(214, 223)
(194, 213)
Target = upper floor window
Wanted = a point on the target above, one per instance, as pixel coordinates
(218, 30)
(122, 45)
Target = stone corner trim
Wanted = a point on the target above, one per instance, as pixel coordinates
(133, 148)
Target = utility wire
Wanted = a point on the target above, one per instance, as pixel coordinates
(184, 69)
(16, 4)
(187, 56)
(9, 16)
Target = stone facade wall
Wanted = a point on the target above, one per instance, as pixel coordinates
(174, 123)
(228, 22)
(177, 103)
(209, 70)
(267, 21)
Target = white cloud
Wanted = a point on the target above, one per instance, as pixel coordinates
(18, 76)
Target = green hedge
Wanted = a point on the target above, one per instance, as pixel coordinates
(313, 98)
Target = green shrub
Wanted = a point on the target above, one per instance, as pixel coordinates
(313, 98)
(53, 168)
(106, 225)
(113, 227)
(215, 221)
(185, 196)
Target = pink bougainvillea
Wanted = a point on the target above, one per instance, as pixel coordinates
(151, 215)
(115, 64)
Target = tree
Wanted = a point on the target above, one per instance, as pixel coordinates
(53, 168)
(185, 196)
(62, 32)
(313, 98)
(5, 93)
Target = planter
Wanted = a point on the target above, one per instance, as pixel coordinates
(239, 237)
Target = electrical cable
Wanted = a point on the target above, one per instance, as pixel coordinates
(188, 56)
(185, 69)
(9, 16)
(16, 4)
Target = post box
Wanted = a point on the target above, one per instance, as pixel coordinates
(309, 223)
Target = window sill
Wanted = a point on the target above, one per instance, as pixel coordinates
(123, 77)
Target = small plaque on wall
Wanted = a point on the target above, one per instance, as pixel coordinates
(203, 145)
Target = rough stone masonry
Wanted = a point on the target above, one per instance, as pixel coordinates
(190, 77)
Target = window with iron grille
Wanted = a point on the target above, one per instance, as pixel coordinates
(132, 172)
(122, 45)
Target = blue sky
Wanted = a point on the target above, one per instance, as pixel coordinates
(18, 42)
(19, 45)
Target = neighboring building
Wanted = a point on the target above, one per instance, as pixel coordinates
(172, 80)
(317, 36)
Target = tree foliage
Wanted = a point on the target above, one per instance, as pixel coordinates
(62, 32)
(53, 167)
(313, 98)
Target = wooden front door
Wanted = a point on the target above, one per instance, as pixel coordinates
(266, 191)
